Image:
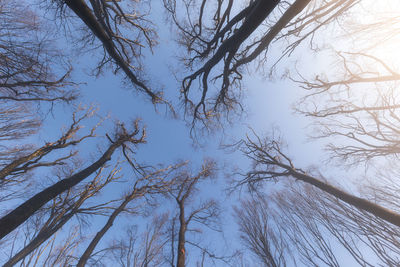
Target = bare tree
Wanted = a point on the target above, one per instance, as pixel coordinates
(58, 253)
(258, 234)
(271, 163)
(227, 34)
(145, 250)
(28, 63)
(28, 67)
(356, 101)
(62, 209)
(364, 126)
(16, 123)
(356, 109)
(204, 213)
(28, 80)
(318, 227)
(19, 166)
(153, 183)
(109, 22)
(20, 214)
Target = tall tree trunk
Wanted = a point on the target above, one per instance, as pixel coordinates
(89, 250)
(181, 236)
(286, 17)
(363, 204)
(256, 16)
(19, 215)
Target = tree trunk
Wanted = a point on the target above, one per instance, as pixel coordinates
(290, 13)
(360, 203)
(256, 16)
(89, 250)
(181, 236)
(19, 215)
(80, 8)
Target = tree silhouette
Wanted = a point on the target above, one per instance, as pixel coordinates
(223, 38)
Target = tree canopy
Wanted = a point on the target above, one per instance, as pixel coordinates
(78, 187)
